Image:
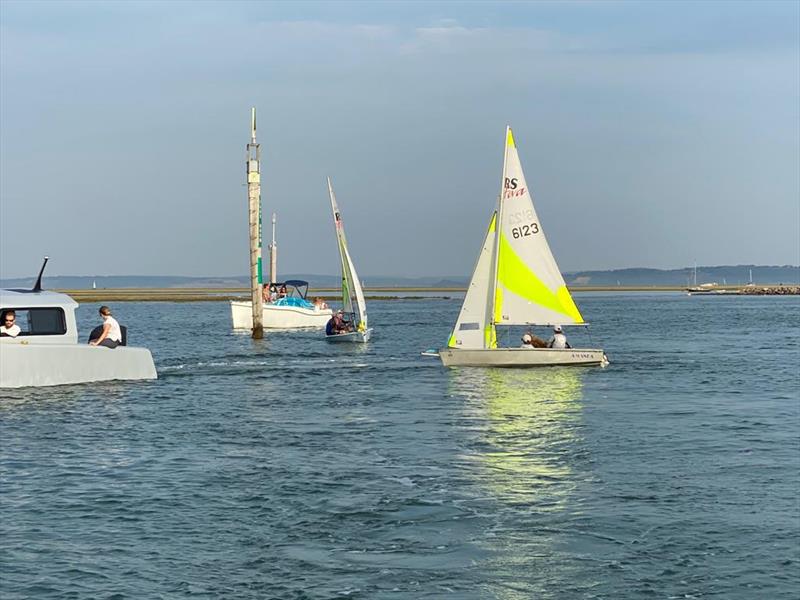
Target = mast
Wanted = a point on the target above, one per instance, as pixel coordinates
(273, 254)
(499, 232)
(254, 198)
(337, 224)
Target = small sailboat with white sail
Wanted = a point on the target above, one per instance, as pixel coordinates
(352, 322)
(516, 281)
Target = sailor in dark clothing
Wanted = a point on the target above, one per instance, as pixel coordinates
(330, 327)
(336, 324)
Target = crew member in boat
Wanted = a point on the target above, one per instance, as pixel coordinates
(559, 340)
(336, 324)
(529, 340)
(9, 327)
(111, 336)
(282, 291)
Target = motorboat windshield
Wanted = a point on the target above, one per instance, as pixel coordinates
(291, 288)
(299, 288)
(291, 292)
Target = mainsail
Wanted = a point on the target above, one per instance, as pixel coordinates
(352, 294)
(529, 288)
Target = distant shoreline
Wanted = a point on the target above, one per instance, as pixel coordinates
(329, 294)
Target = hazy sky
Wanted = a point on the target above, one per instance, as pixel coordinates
(652, 134)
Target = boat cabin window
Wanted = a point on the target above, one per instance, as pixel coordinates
(39, 321)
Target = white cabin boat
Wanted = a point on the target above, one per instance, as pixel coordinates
(515, 282)
(47, 351)
(293, 311)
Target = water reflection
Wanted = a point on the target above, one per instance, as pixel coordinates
(530, 419)
(527, 458)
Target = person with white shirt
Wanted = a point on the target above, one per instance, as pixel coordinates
(559, 340)
(111, 336)
(9, 325)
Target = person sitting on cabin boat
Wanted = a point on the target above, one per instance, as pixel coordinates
(111, 336)
(282, 292)
(559, 340)
(319, 303)
(529, 340)
(273, 292)
(9, 327)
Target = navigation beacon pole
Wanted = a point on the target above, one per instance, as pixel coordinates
(254, 197)
(273, 255)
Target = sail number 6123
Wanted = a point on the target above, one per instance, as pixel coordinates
(523, 230)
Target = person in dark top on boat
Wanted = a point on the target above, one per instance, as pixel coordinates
(336, 324)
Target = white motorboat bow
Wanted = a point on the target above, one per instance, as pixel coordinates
(47, 351)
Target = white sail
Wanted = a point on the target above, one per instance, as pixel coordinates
(474, 327)
(352, 294)
(529, 288)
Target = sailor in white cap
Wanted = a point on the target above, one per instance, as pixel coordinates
(559, 340)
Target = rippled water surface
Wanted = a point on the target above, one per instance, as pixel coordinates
(290, 468)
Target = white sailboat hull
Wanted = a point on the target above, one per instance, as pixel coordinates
(278, 317)
(353, 337)
(46, 364)
(521, 357)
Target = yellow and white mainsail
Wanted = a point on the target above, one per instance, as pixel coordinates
(352, 295)
(529, 288)
(474, 328)
(516, 280)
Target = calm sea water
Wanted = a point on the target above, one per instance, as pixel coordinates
(290, 468)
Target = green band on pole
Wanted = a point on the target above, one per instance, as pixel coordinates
(260, 277)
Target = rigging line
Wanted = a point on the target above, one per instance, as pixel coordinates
(591, 341)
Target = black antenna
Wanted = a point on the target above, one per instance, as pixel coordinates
(38, 286)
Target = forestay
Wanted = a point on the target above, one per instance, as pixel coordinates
(352, 294)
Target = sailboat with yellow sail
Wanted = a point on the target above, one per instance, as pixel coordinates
(516, 281)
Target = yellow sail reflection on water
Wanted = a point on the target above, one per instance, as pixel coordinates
(530, 419)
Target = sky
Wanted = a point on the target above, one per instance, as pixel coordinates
(651, 134)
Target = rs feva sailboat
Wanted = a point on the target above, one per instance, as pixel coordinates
(515, 282)
(353, 305)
